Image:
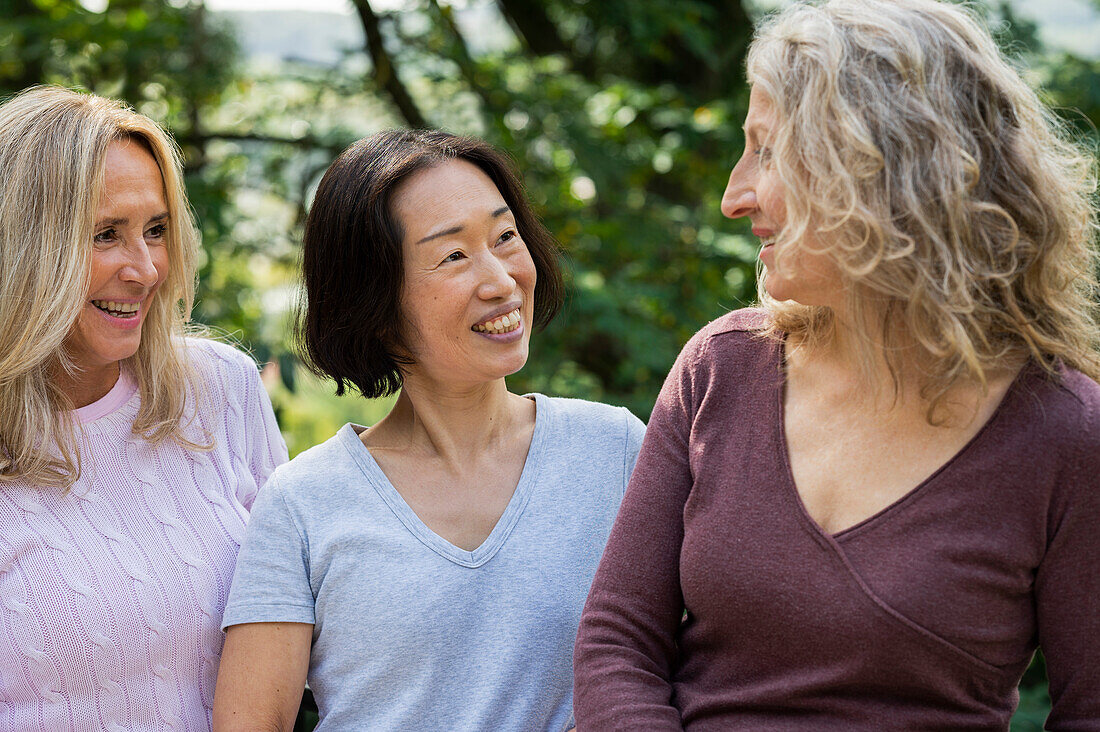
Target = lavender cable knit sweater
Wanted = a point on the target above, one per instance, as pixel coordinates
(111, 596)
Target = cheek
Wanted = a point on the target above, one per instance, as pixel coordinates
(100, 270)
(162, 263)
(425, 309)
(525, 272)
(769, 193)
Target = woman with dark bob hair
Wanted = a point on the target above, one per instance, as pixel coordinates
(863, 505)
(427, 572)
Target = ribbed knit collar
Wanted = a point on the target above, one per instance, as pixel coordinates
(119, 394)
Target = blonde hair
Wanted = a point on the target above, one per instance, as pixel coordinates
(956, 207)
(52, 146)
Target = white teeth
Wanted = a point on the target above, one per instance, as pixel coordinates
(502, 324)
(117, 308)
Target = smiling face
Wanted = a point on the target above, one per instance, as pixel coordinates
(756, 190)
(468, 295)
(129, 261)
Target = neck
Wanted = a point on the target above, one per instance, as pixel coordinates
(854, 353)
(88, 385)
(453, 423)
(840, 364)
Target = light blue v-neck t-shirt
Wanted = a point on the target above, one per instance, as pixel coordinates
(411, 632)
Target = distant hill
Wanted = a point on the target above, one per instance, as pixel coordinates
(277, 35)
(321, 37)
(1070, 24)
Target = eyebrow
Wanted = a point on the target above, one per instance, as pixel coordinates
(754, 130)
(456, 229)
(121, 221)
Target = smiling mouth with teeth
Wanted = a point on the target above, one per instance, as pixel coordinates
(503, 324)
(118, 309)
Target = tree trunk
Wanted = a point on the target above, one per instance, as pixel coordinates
(530, 22)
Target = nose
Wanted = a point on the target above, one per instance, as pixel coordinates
(496, 278)
(140, 267)
(740, 196)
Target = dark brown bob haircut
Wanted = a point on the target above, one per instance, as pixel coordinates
(349, 321)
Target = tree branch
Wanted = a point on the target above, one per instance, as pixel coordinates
(309, 143)
(461, 56)
(385, 72)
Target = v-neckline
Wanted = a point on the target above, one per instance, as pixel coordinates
(504, 526)
(881, 514)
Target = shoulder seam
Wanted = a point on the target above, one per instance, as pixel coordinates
(627, 414)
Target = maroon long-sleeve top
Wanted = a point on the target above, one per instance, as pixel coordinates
(720, 604)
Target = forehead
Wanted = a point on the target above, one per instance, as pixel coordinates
(445, 194)
(130, 175)
(761, 110)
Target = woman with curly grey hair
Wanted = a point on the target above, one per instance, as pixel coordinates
(864, 504)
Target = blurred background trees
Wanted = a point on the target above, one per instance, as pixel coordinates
(623, 115)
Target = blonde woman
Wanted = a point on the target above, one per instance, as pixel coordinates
(863, 505)
(124, 487)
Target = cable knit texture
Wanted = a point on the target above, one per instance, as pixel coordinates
(111, 595)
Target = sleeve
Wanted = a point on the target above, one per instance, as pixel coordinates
(635, 432)
(626, 641)
(271, 581)
(1067, 592)
(266, 447)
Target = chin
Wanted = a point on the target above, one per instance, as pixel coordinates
(784, 290)
(513, 367)
(779, 290)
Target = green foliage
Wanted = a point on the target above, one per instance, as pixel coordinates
(623, 116)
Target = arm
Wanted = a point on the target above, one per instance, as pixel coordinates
(626, 642)
(1067, 591)
(269, 621)
(261, 677)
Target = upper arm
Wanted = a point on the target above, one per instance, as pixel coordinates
(253, 435)
(626, 642)
(272, 579)
(262, 676)
(266, 449)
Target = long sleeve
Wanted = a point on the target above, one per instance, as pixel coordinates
(1067, 588)
(626, 643)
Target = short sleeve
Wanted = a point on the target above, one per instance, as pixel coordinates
(271, 581)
